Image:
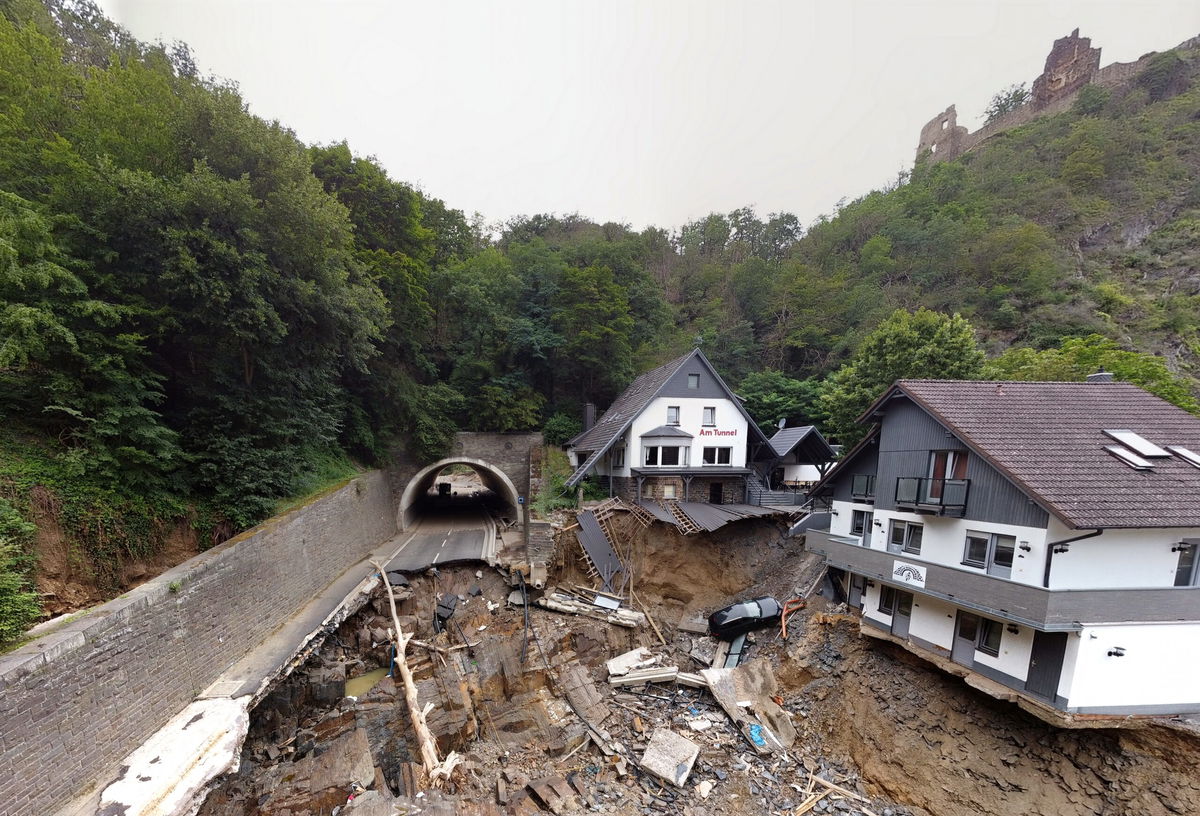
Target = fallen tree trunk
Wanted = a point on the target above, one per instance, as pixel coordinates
(436, 770)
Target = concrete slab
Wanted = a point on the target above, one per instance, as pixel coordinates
(670, 756)
(167, 774)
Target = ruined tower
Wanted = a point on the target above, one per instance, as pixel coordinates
(1071, 64)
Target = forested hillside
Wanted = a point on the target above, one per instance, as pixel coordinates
(201, 316)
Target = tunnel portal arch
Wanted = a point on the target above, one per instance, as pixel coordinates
(494, 479)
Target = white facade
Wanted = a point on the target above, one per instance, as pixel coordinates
(1158, 667)
(802, 474)
(1158, 663)
(728, 430)
(944, 539)
(1139, 558)
(1126, 559)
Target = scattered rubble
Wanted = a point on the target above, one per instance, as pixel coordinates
(567, 711)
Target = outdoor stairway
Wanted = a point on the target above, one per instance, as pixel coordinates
(682, 520)
(640, 514)
(758, 493)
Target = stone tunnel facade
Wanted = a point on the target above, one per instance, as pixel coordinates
(508, 463)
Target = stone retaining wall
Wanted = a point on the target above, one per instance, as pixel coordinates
(76, 701)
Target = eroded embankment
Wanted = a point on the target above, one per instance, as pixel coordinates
(927, 739)
(869, 715)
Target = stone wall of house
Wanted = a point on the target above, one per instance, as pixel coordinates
(733, 488)
(77, 700)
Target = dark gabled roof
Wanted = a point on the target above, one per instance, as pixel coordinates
(617, 419)
(1048, 439)
(668, 431)
(787, 439)
(844, 462)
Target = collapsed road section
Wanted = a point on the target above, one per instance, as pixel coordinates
(622, 702)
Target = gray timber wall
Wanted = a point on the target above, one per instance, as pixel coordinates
(905, 441)
(76, 701)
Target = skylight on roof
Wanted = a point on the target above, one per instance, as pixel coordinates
(1142, 446)
(1129, 457)
(1191, 457)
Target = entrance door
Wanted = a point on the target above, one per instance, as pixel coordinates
(966, 634)
(903, 614)
(854, 596)
(714, 493)
(1045, 663)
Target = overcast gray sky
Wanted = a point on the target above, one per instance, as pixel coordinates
(651, 112)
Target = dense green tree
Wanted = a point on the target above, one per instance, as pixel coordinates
(770, 396)
(1078, 357)
(921, 344)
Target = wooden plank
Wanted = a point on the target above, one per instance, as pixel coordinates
(664, 675)
(839, 789)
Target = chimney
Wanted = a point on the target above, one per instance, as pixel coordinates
(1100, 376)
(589, 416)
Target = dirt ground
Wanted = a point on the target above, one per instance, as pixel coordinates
(528, 709)
(65, 578)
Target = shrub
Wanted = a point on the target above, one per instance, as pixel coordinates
(19, 605)
(560, 427)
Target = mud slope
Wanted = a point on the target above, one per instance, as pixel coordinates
(926, 739)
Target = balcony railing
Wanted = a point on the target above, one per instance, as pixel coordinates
(1049, 609)
(940, 494)
(862, 486)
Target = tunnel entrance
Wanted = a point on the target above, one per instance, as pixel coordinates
(459, 486)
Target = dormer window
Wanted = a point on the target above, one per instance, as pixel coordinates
(672, 414)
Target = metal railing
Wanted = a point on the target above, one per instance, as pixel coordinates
(862, 486)
(919, 491)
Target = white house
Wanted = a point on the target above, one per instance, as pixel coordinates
(677, 432)
(1042, 535)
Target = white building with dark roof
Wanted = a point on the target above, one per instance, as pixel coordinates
(679, 433)
(1037, 538)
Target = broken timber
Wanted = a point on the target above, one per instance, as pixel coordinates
(435, 769)
(663, 674)
(561, 602)
(602, 561)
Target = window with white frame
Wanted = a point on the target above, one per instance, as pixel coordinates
(672, 414)
(905, 536)
(718, 456)
(991, 551)
(710, 415)
(860, 524)
(666, 456)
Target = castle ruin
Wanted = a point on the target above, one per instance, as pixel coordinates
(1071, 65)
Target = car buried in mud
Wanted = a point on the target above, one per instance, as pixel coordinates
(739, 618)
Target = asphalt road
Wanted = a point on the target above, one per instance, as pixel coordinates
(443, 536)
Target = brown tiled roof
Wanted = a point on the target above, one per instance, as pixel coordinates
(1048, 438)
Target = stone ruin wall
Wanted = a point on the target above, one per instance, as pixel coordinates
(1071, 66)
